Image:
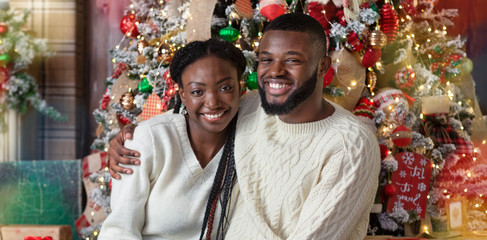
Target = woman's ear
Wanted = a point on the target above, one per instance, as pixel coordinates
(181, 95)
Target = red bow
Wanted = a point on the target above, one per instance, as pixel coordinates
(37, 238)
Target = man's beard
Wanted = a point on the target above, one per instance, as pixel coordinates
(294, 99)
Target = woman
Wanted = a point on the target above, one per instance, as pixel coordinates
(187, 163)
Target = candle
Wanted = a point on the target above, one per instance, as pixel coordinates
(436, 104)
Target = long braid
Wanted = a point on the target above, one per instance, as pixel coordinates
(177, 105)
(224, 179)
(228, 183)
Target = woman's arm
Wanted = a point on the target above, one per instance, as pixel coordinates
(129, 195)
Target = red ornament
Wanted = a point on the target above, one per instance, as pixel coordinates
(384, 151)
(401, 136)
(328, 77)
(3, 29)
(354, 42)
(128, 25)
(389, 22)
(110, 184)
(315, 10)
(244, 8)
(272, 9)
(371, 56)
(405, 77)
(123, 120)
(389, 190)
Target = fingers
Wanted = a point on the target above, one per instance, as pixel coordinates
(128, 131)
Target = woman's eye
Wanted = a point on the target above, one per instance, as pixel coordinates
(196, 92)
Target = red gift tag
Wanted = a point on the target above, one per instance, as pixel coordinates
(412, 181)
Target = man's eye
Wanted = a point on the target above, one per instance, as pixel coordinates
(293, 60)
(265, 60)
(226, 88)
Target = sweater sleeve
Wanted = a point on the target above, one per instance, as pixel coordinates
(129, 195)
(338, 205)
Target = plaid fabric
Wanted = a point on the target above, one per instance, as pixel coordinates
(437, 127)
(152, 107)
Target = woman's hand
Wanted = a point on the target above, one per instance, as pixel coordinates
(117, 153)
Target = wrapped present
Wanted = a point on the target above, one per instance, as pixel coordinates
(43, 232)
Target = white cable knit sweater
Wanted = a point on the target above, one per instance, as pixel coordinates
(165, 197)
(312, 180)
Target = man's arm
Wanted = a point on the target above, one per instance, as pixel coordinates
(338, 206)
(119, 154)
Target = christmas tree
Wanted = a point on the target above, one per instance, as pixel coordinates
(393, 66)
(18, 89)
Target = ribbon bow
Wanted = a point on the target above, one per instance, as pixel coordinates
(437, 127)
(37, 238)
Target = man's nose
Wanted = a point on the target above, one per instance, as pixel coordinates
(277, 69)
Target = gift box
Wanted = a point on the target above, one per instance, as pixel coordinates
(21, 232)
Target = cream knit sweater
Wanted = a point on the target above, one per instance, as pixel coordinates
(165, 197)
(313, 180)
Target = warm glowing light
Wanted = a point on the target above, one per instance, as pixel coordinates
(444, 191)
(421, 116)
(469, 174)
(412, 35)
(480, 195)
(477, 205)
(463, 155)
(483, 142)
(114, 60)
(102, 186)
(354, 83)
(429, 29)
(448, 196)
(429, 55)
(428, 197)
(465, 190)
(428, 40)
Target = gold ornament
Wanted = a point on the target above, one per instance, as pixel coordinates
(141, 45)
(234, 16)
(141, 59)
(165, 53)
(127, 101)
(371, 80)
(377, 39)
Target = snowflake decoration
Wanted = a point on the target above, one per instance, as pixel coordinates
(402, 174)
(421, 187)
(418, 209)
(408, 158)
(398, 205)
(423, 162)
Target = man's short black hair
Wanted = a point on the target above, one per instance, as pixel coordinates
(299, 22)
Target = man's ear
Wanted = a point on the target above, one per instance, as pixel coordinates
(325, 64)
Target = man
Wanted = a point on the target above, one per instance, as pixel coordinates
(307, 169)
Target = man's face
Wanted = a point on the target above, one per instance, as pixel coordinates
(287, 71)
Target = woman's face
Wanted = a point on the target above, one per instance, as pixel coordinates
(211, 93)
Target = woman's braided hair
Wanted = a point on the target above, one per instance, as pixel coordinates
(226, 175)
